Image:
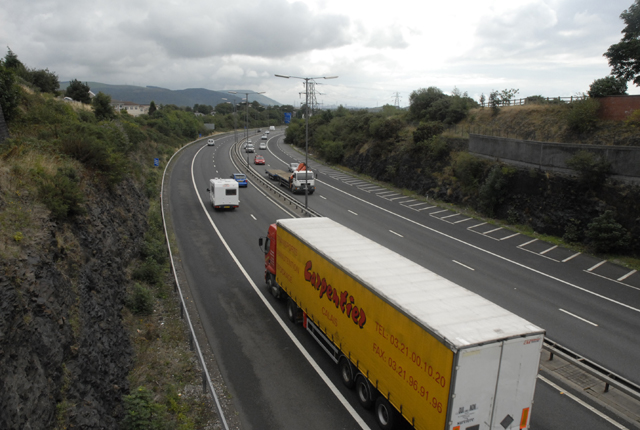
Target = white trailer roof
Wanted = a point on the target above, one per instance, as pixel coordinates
(447, 310)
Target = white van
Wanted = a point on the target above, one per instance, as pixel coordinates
(224, 193)
(272, 128)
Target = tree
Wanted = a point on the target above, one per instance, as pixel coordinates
(102, 107)
(624, 56)
(46, 81)
(11, 62)
(152, 107)
(78, 91)
(9, 92)
(609, 86)
(421, 100)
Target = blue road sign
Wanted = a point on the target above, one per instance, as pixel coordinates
(287, 117)
(156, 162)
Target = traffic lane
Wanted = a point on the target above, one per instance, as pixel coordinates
(253, 352)
(537, 298)
(331, 366)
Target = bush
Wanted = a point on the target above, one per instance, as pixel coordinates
(609, 86)
(592, 170)
(61, 193)
(140, 300)
(150, 271)
(582, 115)
(495, 188)
(605, 234)
(427, 130)
(141, 412)
(332, 151)
(468, 169)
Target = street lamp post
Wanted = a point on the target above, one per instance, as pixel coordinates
(246, 114)
(235, 132)
(306, 126)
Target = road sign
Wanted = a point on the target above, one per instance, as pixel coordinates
(156, 162)
(287, 117)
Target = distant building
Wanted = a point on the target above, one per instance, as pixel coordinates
(133, 109)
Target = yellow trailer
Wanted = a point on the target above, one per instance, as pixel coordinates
(411, 342)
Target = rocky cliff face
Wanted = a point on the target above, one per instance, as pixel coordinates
(63, 350)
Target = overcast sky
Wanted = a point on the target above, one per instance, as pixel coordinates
(377, 49)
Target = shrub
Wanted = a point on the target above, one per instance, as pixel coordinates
(495, 188)
(582, 115)
(149, 271)
(61, 193)
(468, 169)
(140, 300)
(592, 170)
(609, 86)
(572, 233)
(426, 130)
(141, 412)
(605, 234)
(332, 151)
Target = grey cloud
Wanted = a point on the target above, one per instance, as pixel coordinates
(270, 29)
(390, 37)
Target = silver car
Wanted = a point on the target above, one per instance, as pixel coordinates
(250, 148)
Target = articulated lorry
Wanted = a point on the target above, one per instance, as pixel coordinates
(414, 345)
(297, 181)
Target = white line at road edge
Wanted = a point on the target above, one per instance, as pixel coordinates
(580, 402)
(488, 252)
(286, 329)
(463, 265)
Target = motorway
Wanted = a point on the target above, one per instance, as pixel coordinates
(279, 377)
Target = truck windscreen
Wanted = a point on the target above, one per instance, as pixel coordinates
(303, 176)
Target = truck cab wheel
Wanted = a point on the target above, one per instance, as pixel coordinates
(273, 287)
(386, 415)
(365, 392)
(347, 373)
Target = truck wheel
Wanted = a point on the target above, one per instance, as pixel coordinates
(292, 311)
(364, 390)
(273, 287)
(385, 414)
(347, 373)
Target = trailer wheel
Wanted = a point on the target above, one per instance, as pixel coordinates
(273, 287)
(364, 390)
(347, 373)
(386, 415)
(292, 311)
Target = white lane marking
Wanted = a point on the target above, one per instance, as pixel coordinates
(493, 254)
(386, 193)
(254, 218)
(580, 318)
(547, 250)
(397, 234)
(286, 329)
(525, 244)
(352, 211)
(406, 201)
(477, 225)
(509, 237)
(396, 198)
(623, 277)
(592, 268)
(323, 197)
(612, 280)
(491, 231)
(418, 204)
(449, 216)
(462, 220)
(582, 403)
(438, 212)
(424, 209)
(571, 257)
(463, 265)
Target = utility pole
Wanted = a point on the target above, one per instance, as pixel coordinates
(396, 98)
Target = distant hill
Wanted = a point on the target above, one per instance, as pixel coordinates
(188, 97)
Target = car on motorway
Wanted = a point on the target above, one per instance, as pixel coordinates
(263, 145)
(293, 166)
(210, 142)
(258, 159)
(264, 137)
(267, 132)
(249, 148)
(240, 178)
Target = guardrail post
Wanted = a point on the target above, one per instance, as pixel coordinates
(181, 311)
(606, 387)
(550, 356)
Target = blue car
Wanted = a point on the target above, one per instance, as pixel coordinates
(241, 178)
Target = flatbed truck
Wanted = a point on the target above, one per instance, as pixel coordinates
(414, 345)
(296, 182)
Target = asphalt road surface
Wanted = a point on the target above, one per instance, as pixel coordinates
(280, 378)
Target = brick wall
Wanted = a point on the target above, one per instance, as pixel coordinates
(618, 107)
(4, 131)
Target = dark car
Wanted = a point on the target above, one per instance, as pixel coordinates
(240, 178)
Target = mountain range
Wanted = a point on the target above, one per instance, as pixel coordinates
(163, 96)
